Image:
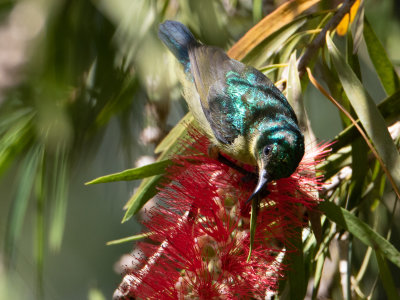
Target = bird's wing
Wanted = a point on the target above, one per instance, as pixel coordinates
(209, 67)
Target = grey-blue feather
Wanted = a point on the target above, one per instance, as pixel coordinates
(178, 38)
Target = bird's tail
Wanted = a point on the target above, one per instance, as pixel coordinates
(178, 38)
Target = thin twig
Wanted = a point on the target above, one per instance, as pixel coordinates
(319, 41)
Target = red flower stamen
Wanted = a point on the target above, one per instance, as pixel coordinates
(201, 230)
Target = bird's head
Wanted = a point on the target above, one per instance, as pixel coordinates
(278, 155)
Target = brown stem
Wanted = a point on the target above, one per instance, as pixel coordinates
(319, 41)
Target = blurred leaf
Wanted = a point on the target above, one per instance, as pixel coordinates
(146, 190)
(39, 241)
(283, 15)
(257, 10)
(95, 294)
(156, 168)
(59, 199)
(383, 66)
(128, 239)
(371, 119)
(386, 277)
(27, 175)
(360, 230)
(16, 134)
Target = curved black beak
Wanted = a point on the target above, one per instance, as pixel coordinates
(263, 179)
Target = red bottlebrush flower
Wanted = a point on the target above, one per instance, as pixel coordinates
(201, 231)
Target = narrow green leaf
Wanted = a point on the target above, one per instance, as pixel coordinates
(27, 175)
(255, 207)
(156, 168)
(386, 278)
(370, 118)
(295, 99)
(146, 190)
(128, 239)
(40, 225)
(14, 139)
(257, 10)
(360, 230)
(296, 269)
(383, 66)
(59, 200)
(318, 275)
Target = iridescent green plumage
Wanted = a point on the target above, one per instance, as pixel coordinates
(237, 106)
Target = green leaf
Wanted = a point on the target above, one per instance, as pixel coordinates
(389, 108)
(383, 66)
(386, 278)
(128, 239)
(370, 118)
(296, 270)
(27, 176)
(60, 200)
(146, 190)
(255, 207)
(360, 230)
(156, 168)
(295, 99)
(16, 136)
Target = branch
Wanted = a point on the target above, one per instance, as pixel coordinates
(319, 41)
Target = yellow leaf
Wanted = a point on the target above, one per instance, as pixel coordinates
(343, 26)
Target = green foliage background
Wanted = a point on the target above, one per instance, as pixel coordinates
(79, 82)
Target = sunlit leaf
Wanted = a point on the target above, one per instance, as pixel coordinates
(156, 168)
(283, 15)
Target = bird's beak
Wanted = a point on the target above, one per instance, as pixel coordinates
(263, 179)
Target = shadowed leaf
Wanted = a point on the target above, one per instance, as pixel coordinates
(360, 230)
(370, 118)
(146, 190)
(386, 277)
(383, 66)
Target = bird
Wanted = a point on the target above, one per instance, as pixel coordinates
(240, 110)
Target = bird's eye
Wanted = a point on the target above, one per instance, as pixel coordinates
(267, 149)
